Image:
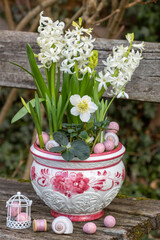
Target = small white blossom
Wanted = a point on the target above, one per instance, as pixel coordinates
(50, 40)
(83, 107)
(103, 79)
(123, 94)
(139, 46)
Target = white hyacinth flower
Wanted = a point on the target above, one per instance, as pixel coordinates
(123, 94)
(83, 107)
(50, 40)
(103, 79)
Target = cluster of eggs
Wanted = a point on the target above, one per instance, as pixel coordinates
(15, 212)
(63, 225)
(90, 227)
(110, 137)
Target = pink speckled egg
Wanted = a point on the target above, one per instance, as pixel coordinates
(109, 145)
(22, 217)
(99, 148)
(113, 127)
(89, 228)
(109, 221)
(14, 209)
(45, 137)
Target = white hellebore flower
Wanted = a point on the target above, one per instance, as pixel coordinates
(82, 106)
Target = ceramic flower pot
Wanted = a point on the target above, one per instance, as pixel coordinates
(77, 189)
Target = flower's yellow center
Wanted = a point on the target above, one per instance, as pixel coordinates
(104, 80)
(82, 106)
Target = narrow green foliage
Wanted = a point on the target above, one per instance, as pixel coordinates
(38, 108)
(24, 110)
(49, 114)
(22, 68)
(38, 79)
(37, 124)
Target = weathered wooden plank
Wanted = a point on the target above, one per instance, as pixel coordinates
(145, 84)
(134, 218)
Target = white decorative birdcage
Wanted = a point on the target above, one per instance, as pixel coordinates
(18, 212)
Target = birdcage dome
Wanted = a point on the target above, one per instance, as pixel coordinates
(18, 211)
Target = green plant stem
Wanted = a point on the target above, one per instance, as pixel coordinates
(96, 139)
(52, 81)
(41, 140)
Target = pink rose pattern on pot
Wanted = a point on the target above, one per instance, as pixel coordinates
(44, 179)
(71, 183)
(33, 173)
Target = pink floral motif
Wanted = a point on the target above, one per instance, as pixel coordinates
(69, 183)
(123, 174)
(44, 179)
(33, 173)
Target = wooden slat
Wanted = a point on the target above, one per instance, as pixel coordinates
(134, 218)
(145, 84)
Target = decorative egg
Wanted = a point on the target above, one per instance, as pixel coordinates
(62, 225)
(109, 145)
(109, 221)
(89, 228)
(50, 144)
(14, 209)
(22, 217)
(45, 137)
(113, 127)
(113, 137)
(99, 148)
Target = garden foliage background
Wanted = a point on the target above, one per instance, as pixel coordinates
(139, 122)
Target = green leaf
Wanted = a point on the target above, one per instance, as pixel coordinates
(23, 111)
(74, 85)
(22, 68)
(59, 107)
(89, 125)
(80, 149)
(68, 155)
(39, 80)
(25, 105)
(49, 114)
(83, 135)
(37, 107)
(60, 138)
(58, 84)
(35, 119)
(57, 149)
(70, 130)
(54, 113)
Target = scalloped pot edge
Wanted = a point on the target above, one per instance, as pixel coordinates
(106, 156)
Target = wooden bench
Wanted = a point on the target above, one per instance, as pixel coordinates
(135, 217)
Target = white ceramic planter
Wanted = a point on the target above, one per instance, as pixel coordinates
(77, 189)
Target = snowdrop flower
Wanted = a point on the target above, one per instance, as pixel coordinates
(82, 106)
(103, 79)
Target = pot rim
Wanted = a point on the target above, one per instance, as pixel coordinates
(118, 152)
